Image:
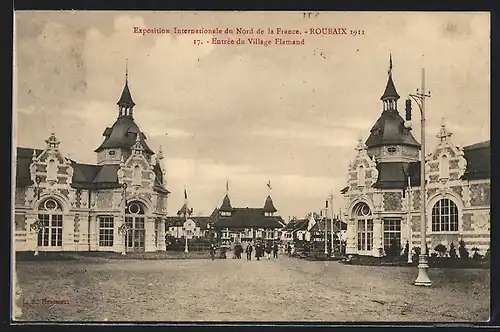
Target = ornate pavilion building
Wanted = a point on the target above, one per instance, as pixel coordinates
(247, 224)
(380, 204)
(82, 207)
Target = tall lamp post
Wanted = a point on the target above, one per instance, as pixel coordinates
(419, 98)
(37, 227)
(123, 230)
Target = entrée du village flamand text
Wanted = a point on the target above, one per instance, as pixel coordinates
(251, 36)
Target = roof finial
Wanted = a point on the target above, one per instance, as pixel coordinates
(443, 133)
(160, 153)
(390, 64)
(227, 187)
(126, 70)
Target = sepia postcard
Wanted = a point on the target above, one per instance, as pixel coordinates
(211, 166)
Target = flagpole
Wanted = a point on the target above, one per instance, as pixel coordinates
(326, 231)
(410, 260)
(331, 225)
(186, 250)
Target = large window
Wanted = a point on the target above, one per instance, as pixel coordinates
(50, 215)
(392, 232)
(445, 216)
(106, 231)
(134, 218)
(364, 222)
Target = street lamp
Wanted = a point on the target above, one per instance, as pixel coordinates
(37, 226)
(123, 230)
(419, 98)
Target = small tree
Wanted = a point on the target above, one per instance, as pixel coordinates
(453, 251)
(462, 251)
(476, 255)
(441, 249)
(407, 249)
(416, 254)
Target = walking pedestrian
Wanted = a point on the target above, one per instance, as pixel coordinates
(289, 249)
(212, 251)
(258, 251)
(249, 250)
(275, 251)
(268, 250)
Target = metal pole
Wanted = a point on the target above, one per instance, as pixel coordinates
(410, 260)
(326, 231)
(331, 224)
(423, 278)
(186, 250)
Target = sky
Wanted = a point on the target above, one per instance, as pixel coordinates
(247, 114)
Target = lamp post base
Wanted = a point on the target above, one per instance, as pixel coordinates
(36, 253)
(124, 253)
(423, 277)
(186, 250)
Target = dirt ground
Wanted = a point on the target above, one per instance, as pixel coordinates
(286, 289)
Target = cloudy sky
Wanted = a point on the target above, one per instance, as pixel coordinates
(248, 114)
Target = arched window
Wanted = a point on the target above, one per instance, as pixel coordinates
(445, 216)
(361, 176)
(134, 219)
(444, 167)
(50, 215)
(364, 223)
(51, 170)
(137, 174)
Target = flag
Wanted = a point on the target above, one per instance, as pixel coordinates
(227, 186)
(326, 204)
(185, 194)
(269, 185)
(311, 223)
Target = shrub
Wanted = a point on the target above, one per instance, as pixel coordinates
(462, 251)
(453, 251)
(407, 249)
(441, 249)
(487, 254)
(476, 255)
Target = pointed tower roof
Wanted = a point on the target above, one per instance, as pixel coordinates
(126, 97)
(269, 205)
(390, 90)
(226, 204)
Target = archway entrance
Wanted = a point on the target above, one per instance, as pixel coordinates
(135, 219)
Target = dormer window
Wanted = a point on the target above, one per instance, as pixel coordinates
(444, 167)
(391, 149)
(225, 214)
(361, 176)
(112, 152)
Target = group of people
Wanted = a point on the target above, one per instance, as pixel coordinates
(261, 250)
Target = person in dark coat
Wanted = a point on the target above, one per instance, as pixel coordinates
(269, 249)
(238, 249)
(249, 251)
(275, 250)
(289, 249)
(258, 251)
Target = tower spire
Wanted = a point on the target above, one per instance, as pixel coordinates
(125, 104)
(390, 96)
(126, 70)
